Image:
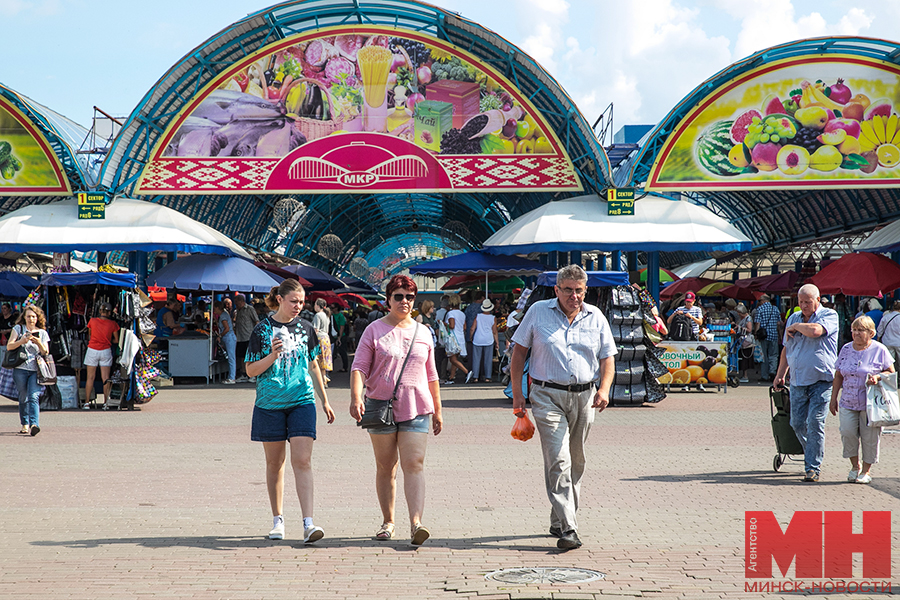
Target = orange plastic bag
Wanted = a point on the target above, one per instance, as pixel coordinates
(523, 429)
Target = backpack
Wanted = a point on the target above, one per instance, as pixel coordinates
(761, 334)
(681, 330)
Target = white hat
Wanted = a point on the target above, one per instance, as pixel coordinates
(487, 305)
(874, 304)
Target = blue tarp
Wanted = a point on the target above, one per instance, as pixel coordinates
(478, 263)
(127, 280)
(595, 278)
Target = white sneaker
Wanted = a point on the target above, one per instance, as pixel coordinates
(313, 534)
(229, 382)
(242, 379)
(861, 479)
(277, 532)
(852, 475)
(252, 379)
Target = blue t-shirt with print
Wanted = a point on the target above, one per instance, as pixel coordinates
(287, 383)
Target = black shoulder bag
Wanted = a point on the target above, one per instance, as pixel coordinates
(379, 413)
(17, 357)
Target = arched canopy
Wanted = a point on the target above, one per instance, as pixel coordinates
(773, 208)
(364, 222)
(51, 150)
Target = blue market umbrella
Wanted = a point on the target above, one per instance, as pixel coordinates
(11, 289)
(24, 280)
(319, 279)
(213, 272)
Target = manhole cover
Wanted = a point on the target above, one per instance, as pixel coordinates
(545, 575)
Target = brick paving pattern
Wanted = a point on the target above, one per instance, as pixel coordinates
(170, 503)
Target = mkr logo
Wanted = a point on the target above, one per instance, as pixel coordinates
(823, 544)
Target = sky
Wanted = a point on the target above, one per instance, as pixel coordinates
(643, 56)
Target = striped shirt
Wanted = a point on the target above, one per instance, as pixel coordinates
(767, 316)
(562, 352)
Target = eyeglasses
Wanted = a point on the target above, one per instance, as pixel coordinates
(572, 291)
(401, 297)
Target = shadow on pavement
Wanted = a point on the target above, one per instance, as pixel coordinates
(740, 477)
(242, 543)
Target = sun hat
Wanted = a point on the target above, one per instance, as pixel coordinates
(487, 305)
(742, 309)
(730, 303)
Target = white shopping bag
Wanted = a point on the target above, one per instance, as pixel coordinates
(883, 403)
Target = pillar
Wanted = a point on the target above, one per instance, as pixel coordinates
(616, 261)
(101, 259)
(653, 274)
(631, 257)
(575, 258)
(553, 260)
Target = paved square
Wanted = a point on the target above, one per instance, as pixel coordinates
(170, 502)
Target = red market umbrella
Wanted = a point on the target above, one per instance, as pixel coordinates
(859, 274)
(351, 297)
(688, 284)
(283, 273)
(329, 298)
(740, 293)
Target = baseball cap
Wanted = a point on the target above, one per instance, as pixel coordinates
(690, 296)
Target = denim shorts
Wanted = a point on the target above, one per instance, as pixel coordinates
(283, 424)
(421, 424)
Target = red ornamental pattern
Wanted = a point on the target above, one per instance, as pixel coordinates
(193, 176)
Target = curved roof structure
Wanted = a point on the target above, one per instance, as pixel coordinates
(777, 217)
(69, 142)
(367, 222)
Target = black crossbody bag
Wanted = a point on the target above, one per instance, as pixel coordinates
(379, 413)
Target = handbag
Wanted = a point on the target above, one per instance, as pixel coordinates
(17, 357)
(883, 403)
(761, 334)
(379, 413)
(46, 370)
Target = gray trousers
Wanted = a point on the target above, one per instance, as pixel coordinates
(563, 420)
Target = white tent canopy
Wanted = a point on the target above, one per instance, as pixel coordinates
(582, 223)
(695, 269)
(128, 225)
(886, 239)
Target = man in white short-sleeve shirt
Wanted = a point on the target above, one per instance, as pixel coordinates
(572, 367)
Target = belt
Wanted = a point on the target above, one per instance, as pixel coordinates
(575, 387)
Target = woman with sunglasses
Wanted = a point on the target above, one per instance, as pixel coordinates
(378, 363)
(282, 354)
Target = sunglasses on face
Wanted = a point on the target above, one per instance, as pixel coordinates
(401, 297)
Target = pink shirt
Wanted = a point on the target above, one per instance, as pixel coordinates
(379, 357)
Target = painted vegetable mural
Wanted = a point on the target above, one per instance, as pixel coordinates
(810, 123)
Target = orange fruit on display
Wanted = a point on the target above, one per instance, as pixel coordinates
(681, 376)
(703, 380)
(682, 365)
(667, 378)
(718, 373)
(696, 372)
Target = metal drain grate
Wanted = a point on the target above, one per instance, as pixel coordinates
(544, 575)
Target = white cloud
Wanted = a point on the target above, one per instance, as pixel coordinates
(544, 21)
(11, 8)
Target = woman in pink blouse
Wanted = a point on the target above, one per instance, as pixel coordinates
(860, 363)
(417, 408)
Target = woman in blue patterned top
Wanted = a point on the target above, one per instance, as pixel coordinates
(281, 354)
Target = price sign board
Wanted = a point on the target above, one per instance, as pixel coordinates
(620, 201)
(91, 205)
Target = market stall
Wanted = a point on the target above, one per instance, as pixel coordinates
(69, 301)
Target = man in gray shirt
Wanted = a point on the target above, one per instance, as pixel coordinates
(572, 368)
(245, 319)
(810, 353)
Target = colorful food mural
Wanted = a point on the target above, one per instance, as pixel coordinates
(808, 123)
(28, 165)
(350, 109)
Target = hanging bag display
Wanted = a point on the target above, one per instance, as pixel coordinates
(381, 412)
(17, 357)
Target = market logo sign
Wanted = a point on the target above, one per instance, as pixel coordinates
(811, 122)
(352, 108)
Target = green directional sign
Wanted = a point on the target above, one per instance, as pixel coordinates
(91, 205)
(620, 201)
